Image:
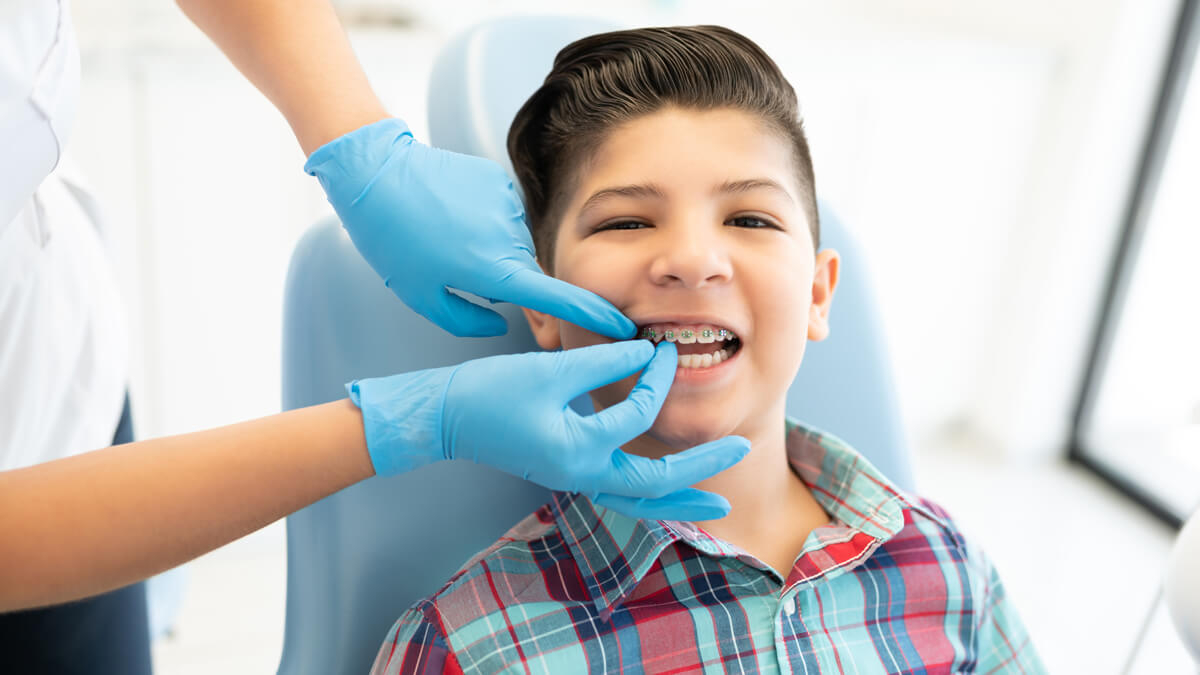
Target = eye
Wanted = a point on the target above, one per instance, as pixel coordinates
(752, 223)
(621, 225)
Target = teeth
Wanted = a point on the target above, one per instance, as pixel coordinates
(686, 335)
(702, 360)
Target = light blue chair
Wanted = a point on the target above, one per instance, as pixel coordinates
(358, 559)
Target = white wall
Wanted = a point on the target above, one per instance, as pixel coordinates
(981, 150)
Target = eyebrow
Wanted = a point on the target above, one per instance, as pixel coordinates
(652, 191)
(648, 190)
(738, 186)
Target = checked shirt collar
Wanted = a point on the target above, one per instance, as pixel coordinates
(614, 551)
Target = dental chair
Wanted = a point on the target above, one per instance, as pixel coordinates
(359, 558)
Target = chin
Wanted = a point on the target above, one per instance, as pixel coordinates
(682, 427)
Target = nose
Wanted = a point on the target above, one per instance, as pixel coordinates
(691, 257)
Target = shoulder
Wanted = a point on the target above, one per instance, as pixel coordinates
(932, 551)
(531, 563)
(933, 519)
(999, 636)
(530, 573)
(416, 644)
(930, 528)
(513, 553)
(935, 553)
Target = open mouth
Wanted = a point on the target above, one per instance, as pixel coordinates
(700, 346)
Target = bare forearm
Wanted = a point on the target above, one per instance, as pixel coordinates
(297, 54)
(90, 523)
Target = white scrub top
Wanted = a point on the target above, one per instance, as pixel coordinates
(63, 345)
(39, 86)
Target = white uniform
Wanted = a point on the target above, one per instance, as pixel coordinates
(63, 345)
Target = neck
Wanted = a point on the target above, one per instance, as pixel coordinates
(772, 510)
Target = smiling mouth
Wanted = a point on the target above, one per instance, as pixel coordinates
(699, 346)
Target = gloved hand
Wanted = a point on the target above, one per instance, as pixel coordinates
(428, 220)
(512, 412)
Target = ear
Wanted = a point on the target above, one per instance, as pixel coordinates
(544, 328)
(825, 278)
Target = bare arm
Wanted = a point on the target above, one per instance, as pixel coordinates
(91, 523)
(87, 524)
(297, 54)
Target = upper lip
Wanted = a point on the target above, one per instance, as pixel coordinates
(686, 320)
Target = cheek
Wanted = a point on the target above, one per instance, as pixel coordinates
(574, 337)
(779, 297)
(602, 270)
(612, 278)
(601, 274)
(612, 394)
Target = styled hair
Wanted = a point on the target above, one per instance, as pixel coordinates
(604, 80)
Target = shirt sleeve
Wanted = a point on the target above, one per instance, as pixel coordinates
(416, 645)
(1002, 643)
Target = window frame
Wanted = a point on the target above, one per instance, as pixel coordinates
(1181, 60)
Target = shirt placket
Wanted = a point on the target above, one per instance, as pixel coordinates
(800, 611)
(785, 618)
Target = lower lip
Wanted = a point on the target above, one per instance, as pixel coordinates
(709, 374)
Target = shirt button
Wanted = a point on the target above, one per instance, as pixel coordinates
(789, 605)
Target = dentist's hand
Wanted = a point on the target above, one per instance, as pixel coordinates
(512, 412)
(428, 220)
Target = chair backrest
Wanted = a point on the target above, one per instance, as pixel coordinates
(359, 558)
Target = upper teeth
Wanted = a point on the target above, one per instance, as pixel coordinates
(687, 334)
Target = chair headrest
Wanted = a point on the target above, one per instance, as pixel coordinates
(486, 74)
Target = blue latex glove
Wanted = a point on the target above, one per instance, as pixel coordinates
(428, 220)
(512, 412)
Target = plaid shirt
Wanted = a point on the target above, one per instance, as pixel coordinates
(889, 586)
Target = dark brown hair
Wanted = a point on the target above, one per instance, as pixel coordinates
(603, 80)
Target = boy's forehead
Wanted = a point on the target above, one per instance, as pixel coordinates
(675, 149)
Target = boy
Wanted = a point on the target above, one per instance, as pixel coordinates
(666, 170)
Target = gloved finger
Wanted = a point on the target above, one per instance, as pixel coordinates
(533, 289)
(635, 476)
(621, 423)
(521, 225)
(587, 368)
(688, 504)
(461, 317)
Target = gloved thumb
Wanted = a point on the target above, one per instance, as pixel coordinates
(618, 424)
(586, 368)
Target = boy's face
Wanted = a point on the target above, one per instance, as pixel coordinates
(688, 219)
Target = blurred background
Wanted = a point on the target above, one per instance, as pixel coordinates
(1017, 172)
